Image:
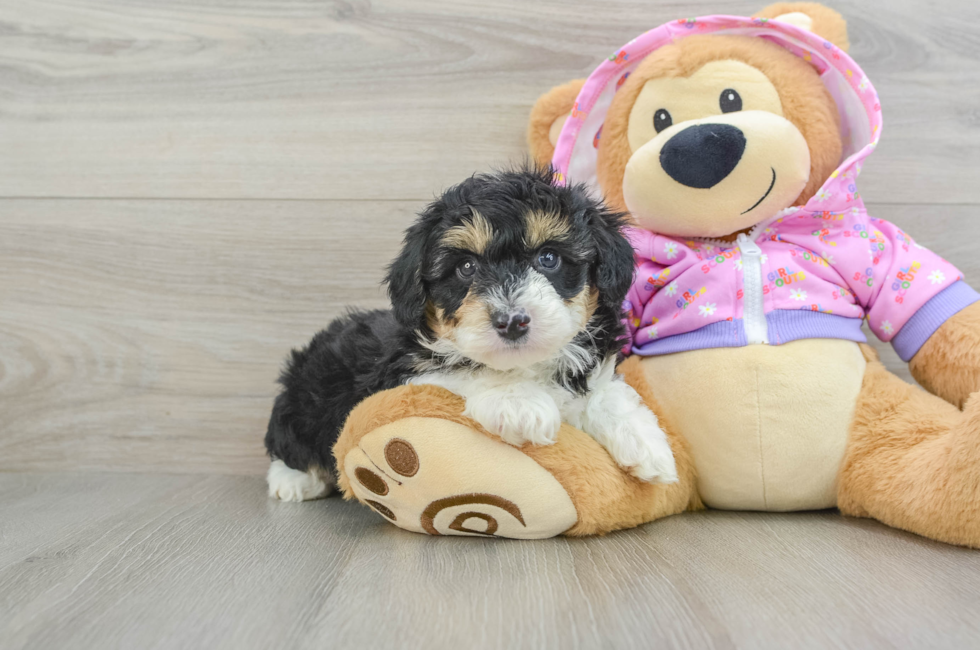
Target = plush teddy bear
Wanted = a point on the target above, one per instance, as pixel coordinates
(734, 143)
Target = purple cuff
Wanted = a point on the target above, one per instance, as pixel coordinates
(723, 334)
(940, 308)
(786, 325)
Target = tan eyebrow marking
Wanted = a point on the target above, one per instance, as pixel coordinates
(542, 227)
(473, 235)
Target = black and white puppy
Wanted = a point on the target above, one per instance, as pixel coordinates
(508, 291)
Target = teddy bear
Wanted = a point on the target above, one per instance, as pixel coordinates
(734, 144)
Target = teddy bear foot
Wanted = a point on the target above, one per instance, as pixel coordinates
(434, 476)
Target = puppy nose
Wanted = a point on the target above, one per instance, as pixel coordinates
(511, 325)
(701, 156)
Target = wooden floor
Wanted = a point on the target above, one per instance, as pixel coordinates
(144, 561)
(190, 188)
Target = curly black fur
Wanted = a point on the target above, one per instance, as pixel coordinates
(365, 352)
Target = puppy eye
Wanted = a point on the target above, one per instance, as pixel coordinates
(549, 259)
(662, 120)
(730, 101)
(466, 269)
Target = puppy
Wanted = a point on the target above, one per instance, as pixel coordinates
(508, 291)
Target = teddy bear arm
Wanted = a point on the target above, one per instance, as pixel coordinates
(948, 365)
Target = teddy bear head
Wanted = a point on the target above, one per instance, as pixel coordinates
(711, 134)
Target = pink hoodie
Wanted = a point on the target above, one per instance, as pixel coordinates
(813, 271)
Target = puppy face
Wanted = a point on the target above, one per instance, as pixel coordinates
(507, 270)
(512, 291)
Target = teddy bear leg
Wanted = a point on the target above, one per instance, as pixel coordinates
(913, 460)
(411, 455)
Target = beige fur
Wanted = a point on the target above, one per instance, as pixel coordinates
(554, 105)
(437, 321)
(805, 102)
(913, 460)
(824, 20)
(739, 409)
(770, 176)
(948, 365)
(497, 489)
(696, 97)
(474, 235)
(542, 228)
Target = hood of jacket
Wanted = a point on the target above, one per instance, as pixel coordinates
(856, 99)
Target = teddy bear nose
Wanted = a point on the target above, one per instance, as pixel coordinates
(702, 155)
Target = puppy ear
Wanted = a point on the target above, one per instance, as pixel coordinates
(614, 256)
(547, 117)
(813, 17)
(404, 279)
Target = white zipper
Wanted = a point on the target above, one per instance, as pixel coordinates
(754, 312)
(754, 316)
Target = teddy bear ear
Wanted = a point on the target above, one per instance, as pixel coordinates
(547, 117)
(822, 21)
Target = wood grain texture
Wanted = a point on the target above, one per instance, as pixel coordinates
(394, 99)
(147, 335)
(205, 184)
(126, 561)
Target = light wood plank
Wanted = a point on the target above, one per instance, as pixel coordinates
(147, 335)
(180, 561)
(394, 100)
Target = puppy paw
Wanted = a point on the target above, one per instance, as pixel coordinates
(655, 462)
(630, 432)
(288, 484)
(534, 418)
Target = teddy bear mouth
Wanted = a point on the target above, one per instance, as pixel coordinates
(771, 185)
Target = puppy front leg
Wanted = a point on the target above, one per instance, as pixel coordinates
(616, 417)
(518, 411)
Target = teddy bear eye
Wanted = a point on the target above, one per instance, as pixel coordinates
(730, 101)
(662, 120)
